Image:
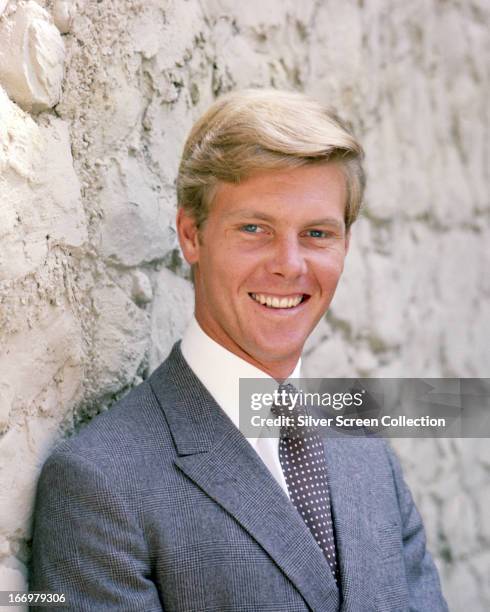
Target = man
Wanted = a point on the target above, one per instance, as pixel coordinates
(162, 503)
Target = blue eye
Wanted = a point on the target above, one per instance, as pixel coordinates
(251, 228)
(317, 233)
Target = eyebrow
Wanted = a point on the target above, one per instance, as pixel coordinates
(265, 217)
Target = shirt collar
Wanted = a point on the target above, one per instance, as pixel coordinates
(219, 369)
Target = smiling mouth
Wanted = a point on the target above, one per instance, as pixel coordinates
(276, 301)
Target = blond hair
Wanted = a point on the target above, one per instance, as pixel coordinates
(253, 130)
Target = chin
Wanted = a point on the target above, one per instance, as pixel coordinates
(278, 351)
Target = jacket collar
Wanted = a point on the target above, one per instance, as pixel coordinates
(216, 456)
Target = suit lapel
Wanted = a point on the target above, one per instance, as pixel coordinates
(355, 545)
(234, 476)
(215, 455)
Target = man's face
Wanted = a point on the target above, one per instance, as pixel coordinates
(267, 261)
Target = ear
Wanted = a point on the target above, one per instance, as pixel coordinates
(188, 236)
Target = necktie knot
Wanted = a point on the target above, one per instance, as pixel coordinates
(286, 400)
(287, 405)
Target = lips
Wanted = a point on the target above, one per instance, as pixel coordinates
(279, 301)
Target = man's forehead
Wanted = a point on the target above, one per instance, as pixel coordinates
(261, 215)
(313, 194)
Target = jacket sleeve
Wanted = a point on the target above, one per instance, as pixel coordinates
(422, 576)
(87, 541)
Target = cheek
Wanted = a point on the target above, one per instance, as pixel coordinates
(328, 274)
(223, 275)
(233, 267)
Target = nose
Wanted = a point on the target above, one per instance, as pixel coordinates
(286, 258)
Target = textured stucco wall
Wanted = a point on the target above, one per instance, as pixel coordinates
(95, 101)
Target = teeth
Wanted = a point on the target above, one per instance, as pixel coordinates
(276, 302)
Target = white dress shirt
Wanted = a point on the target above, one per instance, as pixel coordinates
(220, 371)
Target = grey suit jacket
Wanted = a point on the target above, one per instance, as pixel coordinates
(161, 503)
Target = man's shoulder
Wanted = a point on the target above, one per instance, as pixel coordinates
(134, 427)
(124, 420)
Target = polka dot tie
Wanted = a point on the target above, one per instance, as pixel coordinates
(303, 463)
